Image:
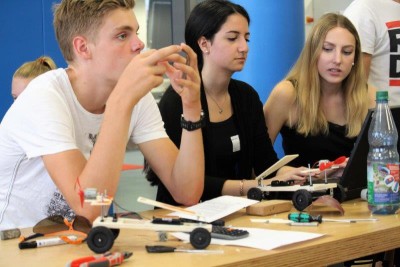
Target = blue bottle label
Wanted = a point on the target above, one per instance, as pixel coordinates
(383, 183)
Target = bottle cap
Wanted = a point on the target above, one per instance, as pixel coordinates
(381, 95)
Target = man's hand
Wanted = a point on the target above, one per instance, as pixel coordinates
(185, 80)
(145, 72)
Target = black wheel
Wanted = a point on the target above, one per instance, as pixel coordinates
(255, 194)
(200, 238)
(301, 199)
(115, 232)
(339, 194)
(100, 239)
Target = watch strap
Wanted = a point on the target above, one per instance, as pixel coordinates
(190, 125)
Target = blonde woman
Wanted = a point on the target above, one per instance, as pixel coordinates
(321, 104)
(29, 70)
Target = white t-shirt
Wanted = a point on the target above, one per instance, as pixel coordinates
(46, 119)
(378, 24)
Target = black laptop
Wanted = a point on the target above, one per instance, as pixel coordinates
(354, 177)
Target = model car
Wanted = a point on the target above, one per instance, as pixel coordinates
(106, 229)
(303, 195)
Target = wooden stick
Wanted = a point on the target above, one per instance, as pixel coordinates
(280, 163)
(164, 206)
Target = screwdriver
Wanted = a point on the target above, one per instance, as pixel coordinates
(302, 217)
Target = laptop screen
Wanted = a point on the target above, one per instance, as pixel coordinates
(354, 177)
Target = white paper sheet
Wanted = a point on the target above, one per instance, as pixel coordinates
(216, 208)
(260, 238)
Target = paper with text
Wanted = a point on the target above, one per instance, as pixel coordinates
(260, 238)
(216, 208)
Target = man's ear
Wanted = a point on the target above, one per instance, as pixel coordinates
(81, 48)
(204, 45)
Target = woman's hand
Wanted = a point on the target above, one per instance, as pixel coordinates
(298, 175)
(336, 171)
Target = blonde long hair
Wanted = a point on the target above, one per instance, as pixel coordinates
(32, 69)
(304, 74)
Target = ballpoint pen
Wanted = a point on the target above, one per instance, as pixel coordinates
(164, 249)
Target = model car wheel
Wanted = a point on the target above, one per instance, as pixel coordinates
(339, 194)
(100, 239)
(115, 232)
(301, 199)
(255, 193)
(200, 238)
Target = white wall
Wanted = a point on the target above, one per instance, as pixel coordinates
(313, 9)
(316, 8)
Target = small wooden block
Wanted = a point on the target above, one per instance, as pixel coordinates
(268, 207)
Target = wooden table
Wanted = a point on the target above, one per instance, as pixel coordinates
(342, 241)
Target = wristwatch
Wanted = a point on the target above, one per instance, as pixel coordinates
(191, 126)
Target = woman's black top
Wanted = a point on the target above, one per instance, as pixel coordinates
(233, 148)
(313, 148)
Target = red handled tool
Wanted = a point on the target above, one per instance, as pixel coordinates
(326, 165)
(103, 260)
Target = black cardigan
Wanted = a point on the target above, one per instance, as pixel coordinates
(257, 152)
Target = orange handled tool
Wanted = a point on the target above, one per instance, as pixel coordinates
(104, 260)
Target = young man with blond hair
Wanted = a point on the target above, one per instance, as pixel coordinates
(73, 124)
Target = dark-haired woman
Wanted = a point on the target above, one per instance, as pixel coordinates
(236, 143)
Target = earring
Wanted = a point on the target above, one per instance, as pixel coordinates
(352, 64)
(206, 52)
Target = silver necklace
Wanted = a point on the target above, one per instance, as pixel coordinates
(220, 110)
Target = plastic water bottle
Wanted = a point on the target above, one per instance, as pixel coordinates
(383, 160)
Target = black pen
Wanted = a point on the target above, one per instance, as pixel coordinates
(45, 242)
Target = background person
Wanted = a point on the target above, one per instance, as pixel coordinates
(29, 70)
(378, 25)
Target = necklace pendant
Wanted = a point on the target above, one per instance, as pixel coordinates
(220, 111)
